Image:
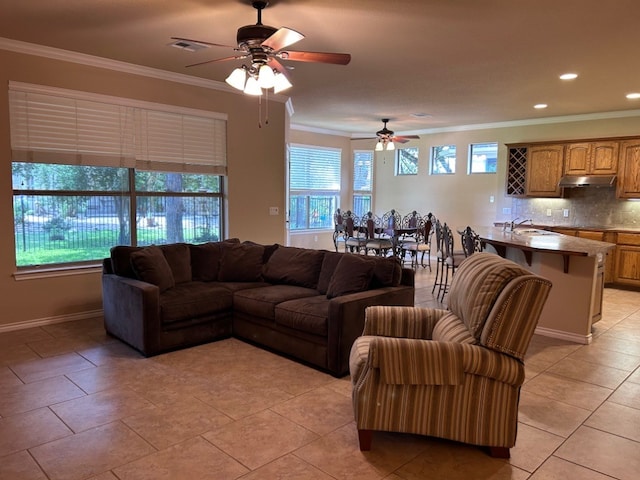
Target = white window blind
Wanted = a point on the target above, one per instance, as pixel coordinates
(176, 141)
(50, 125)
(51, 129)
(314, 168)
(362, 171)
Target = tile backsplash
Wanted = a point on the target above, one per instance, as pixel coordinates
(584, 207)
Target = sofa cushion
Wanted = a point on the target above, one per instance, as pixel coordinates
(121, 260)
(241, 262)
(387, 272)
(261, 302)
(192, 300)
(329, 264)
(294, 266)
(205, 261)
(152, 267)
(309, 314)
(352, 274)
(178, 257)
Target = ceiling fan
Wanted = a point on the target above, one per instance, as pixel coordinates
(265, 46)
(387, 139)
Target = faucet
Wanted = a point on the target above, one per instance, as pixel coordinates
(512, 225)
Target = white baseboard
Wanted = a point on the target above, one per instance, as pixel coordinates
(39, 322)
(572, 337)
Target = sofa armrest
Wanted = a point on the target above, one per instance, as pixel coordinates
(346, 319)
(132, 312)
(401, 321)
(407, 361)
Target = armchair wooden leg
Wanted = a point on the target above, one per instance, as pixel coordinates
(364, 438)
(497, 452)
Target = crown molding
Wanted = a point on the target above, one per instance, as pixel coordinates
(116, 65)
(323, 131)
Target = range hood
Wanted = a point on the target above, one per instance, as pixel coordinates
(571, 181)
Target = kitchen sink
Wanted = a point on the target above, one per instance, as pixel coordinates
(532, 231)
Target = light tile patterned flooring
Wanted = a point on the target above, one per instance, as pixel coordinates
(75, 404)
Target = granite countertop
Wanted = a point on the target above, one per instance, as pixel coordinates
(597, 228)
(526, 237)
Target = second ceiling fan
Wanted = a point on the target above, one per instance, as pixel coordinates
(387, 139)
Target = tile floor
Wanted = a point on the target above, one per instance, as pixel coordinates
(75, 404)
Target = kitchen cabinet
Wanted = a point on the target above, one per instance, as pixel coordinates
(591, 158)
(629, 170)
(628, 259)
(544, 170)
(516, 170)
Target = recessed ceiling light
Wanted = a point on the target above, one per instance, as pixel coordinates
(568, 76)
(633, 96)
(540, 105)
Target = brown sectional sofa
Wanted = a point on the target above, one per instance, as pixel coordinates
(304, 303)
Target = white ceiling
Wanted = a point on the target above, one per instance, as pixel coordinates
(462, 62)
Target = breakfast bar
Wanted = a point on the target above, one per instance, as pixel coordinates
(574, 265)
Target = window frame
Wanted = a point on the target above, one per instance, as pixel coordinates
(363, 195)
(401, 171)
(470, 162)
(433, 157)
(311, 160)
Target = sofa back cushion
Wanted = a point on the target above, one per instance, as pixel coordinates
(352, 274)
(151, 266)
(121, 260)
(387, 272)
(178, 257)
(329, 264)
(205, 260)
(294, 266)
(241, 262)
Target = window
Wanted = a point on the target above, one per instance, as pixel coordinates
(483, 158)
(73, 214)
(443, 159)
(314, 186)
(90, 172)
(407, 161)
(362, 182)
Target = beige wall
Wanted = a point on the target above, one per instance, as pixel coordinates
(256, 176)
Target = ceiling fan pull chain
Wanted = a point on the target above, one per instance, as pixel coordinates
(266, 107)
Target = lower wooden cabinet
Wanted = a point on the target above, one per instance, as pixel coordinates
(628, 259)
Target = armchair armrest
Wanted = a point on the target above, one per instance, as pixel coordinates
(400, 321)
(427, 362)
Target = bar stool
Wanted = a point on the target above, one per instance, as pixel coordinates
(451, 260)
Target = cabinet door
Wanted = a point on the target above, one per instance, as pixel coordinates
(544, 170)
(604, 158)
(628, 265)
(629, 170)
(576, 159)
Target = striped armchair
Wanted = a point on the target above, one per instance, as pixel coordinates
(454, 373)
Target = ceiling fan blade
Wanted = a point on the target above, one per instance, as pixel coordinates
(235, 57)
(283, 37)
(404, 138)
(202, 42)
(319, 57)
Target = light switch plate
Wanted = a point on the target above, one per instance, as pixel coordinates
(565, 212)
(274, 211)
(548, 212)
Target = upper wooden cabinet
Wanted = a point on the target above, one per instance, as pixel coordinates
(544, 170)
(629, 170)
(591, 158)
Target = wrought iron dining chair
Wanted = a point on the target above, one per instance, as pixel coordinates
(378, 239)
(471, 242)
(421, 243)
(452, 259)
(355, 233)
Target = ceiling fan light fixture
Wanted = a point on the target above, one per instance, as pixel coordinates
(252, 87)
(266, 77)
(379, 146)
(391, 146)
(237, 78)
(281, 83)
